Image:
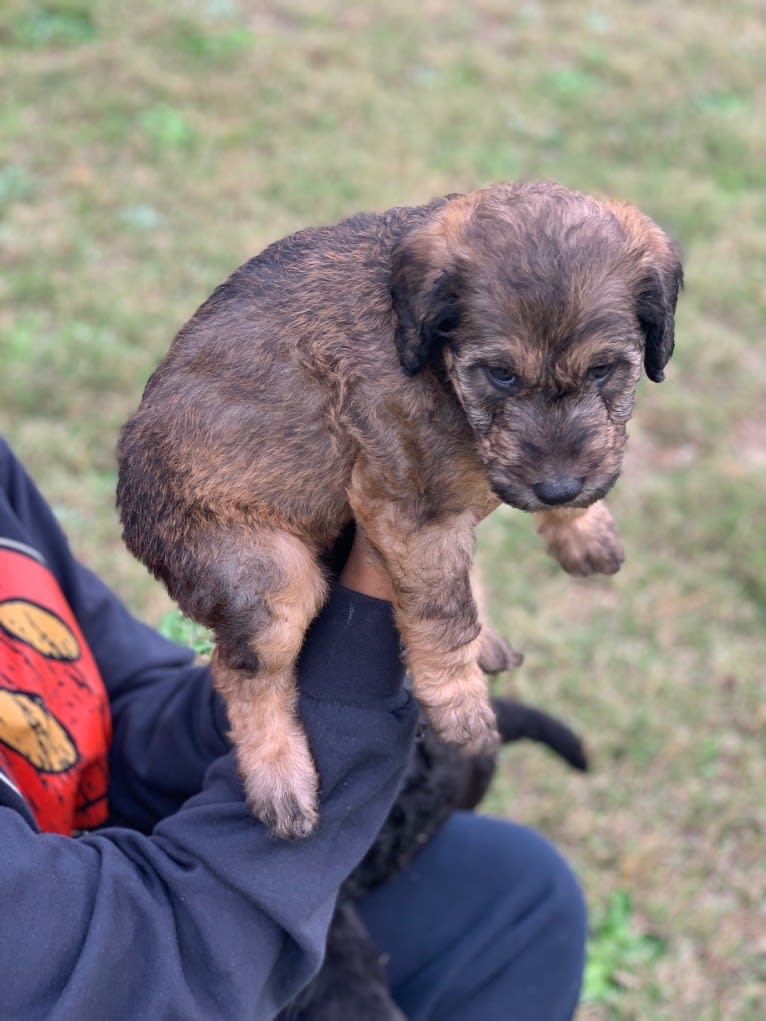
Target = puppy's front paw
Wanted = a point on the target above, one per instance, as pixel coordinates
(468, 721)
(583, 542)
(495, 654)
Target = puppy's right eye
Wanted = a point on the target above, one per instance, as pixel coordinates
(501, 376)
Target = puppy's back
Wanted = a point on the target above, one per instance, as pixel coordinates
(246, 409)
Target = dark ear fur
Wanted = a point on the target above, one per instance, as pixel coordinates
(426, 309)
(656, 309)
(661, 278)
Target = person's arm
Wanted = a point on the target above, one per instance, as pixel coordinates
(209, 916)
(168, 724)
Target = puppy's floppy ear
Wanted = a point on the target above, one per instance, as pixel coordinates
(656, 308)
(426, 315)
(661, 278)
(425, 289)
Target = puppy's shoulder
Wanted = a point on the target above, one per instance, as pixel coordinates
(306, 267)
(360, 230)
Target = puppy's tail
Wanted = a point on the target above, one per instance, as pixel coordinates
(518, 722)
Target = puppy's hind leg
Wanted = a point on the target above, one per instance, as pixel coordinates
(273, 588)
(495, 653)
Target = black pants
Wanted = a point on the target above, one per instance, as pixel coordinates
(487, 924)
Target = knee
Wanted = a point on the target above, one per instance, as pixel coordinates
(542, 927)
(536, 909)
(488, 914)
(560, 893)
(529, 873)
(564, 916)
(505, 857)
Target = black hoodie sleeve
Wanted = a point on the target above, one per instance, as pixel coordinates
(206, 915)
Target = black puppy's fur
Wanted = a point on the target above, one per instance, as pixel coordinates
(352, 983)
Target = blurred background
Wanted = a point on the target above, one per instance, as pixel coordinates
(147, 149)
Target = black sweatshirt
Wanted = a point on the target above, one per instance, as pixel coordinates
(182, 905)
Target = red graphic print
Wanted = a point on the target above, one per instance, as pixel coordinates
(55, 726)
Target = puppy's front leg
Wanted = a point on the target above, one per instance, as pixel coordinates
(437, 618)
(584, 541)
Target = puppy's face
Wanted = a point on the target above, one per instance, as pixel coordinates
(542, 305)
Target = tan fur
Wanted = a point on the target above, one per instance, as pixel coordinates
(273, 753)
(584, 541)
(408, 370)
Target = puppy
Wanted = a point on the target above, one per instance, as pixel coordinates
(408, 370)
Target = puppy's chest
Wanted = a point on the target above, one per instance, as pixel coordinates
(422, 450)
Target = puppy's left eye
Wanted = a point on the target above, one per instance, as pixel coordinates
(600, 373)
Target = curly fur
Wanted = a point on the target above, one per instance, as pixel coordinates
(408, 370)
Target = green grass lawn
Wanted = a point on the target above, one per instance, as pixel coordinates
(147, 149)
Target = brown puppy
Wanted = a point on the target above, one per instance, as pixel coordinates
(409, 370)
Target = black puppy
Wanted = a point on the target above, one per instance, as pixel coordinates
(352, 983)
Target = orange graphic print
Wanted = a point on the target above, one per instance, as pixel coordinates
(54, 715)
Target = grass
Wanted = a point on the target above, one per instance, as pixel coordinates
(146, 150)
(618, 954)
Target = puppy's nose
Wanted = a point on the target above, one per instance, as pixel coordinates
(558, 489)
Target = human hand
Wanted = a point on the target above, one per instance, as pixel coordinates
(364, 570)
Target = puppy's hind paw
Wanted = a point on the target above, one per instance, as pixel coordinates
(287, 818)
(282, 790)
(495, 654)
